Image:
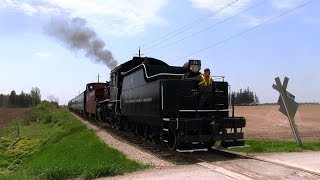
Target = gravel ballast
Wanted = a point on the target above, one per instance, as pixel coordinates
(132, 152)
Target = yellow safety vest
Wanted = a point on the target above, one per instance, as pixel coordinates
(203, 81)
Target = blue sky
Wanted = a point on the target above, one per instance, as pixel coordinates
(288, 46)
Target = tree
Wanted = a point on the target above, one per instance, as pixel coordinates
(22, 99)
(5, 100)
(53, 99)
(35, 95)
(245, 97)
(256, 99)
(1, 100)
(28, 100)
(12, 99)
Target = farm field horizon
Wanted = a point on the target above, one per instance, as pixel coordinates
(265, 122)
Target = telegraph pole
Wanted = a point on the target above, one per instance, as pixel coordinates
(98, 78)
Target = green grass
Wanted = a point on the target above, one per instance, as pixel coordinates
(260, 146)
(53, 144)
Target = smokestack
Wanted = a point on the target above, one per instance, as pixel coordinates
(75, 33)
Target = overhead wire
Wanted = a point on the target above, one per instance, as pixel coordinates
(244, 32)
(208, 28)
(188, 26)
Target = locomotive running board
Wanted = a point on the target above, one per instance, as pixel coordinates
(203, 110)
(234, 147)
(191, 150)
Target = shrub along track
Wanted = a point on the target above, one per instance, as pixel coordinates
(204, 159)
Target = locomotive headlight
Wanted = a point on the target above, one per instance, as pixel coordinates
(195, 68)
(195, 65)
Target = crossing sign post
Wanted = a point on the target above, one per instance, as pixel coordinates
(288, 106)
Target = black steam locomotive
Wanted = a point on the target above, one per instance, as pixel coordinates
(161, 102)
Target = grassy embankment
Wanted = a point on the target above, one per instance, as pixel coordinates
(261, 146)
(51, 143)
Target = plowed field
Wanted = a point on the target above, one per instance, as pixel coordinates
(9, 115)
(266, 122)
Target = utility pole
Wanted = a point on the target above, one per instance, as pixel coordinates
(98, 78)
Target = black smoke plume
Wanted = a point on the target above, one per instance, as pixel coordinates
(75, 33)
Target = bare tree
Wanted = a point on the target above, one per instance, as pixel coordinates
(53, 99)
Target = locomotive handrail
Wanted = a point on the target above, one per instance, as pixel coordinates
(162, 74)
(146, 73)
(218, 77)
(124, 73)
(203, 110)
(106, 100)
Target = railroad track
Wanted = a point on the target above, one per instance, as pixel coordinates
(239, 173)
(156, 148)
(204, 159)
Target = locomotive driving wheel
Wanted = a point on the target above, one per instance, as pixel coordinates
(112, 120)
(146, 132)
(172, 140)
(118, 123)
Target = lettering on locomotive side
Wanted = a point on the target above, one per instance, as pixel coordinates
(138, 100)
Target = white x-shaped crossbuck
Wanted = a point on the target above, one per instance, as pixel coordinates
(288, 106)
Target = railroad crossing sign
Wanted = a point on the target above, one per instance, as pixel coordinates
(288, 106)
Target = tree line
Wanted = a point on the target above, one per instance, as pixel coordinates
(22, 100)
(245, 97)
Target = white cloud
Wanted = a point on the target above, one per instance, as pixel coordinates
(285, 4)
(214, 5)
(43, 54)
(124, 17)
(31, 8)
(250, 20)
(113, 16)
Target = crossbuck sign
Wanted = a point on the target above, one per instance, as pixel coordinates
(288, 106)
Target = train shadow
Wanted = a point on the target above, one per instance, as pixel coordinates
(160, 150)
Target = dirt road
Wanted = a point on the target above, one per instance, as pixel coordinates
(244, 169)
